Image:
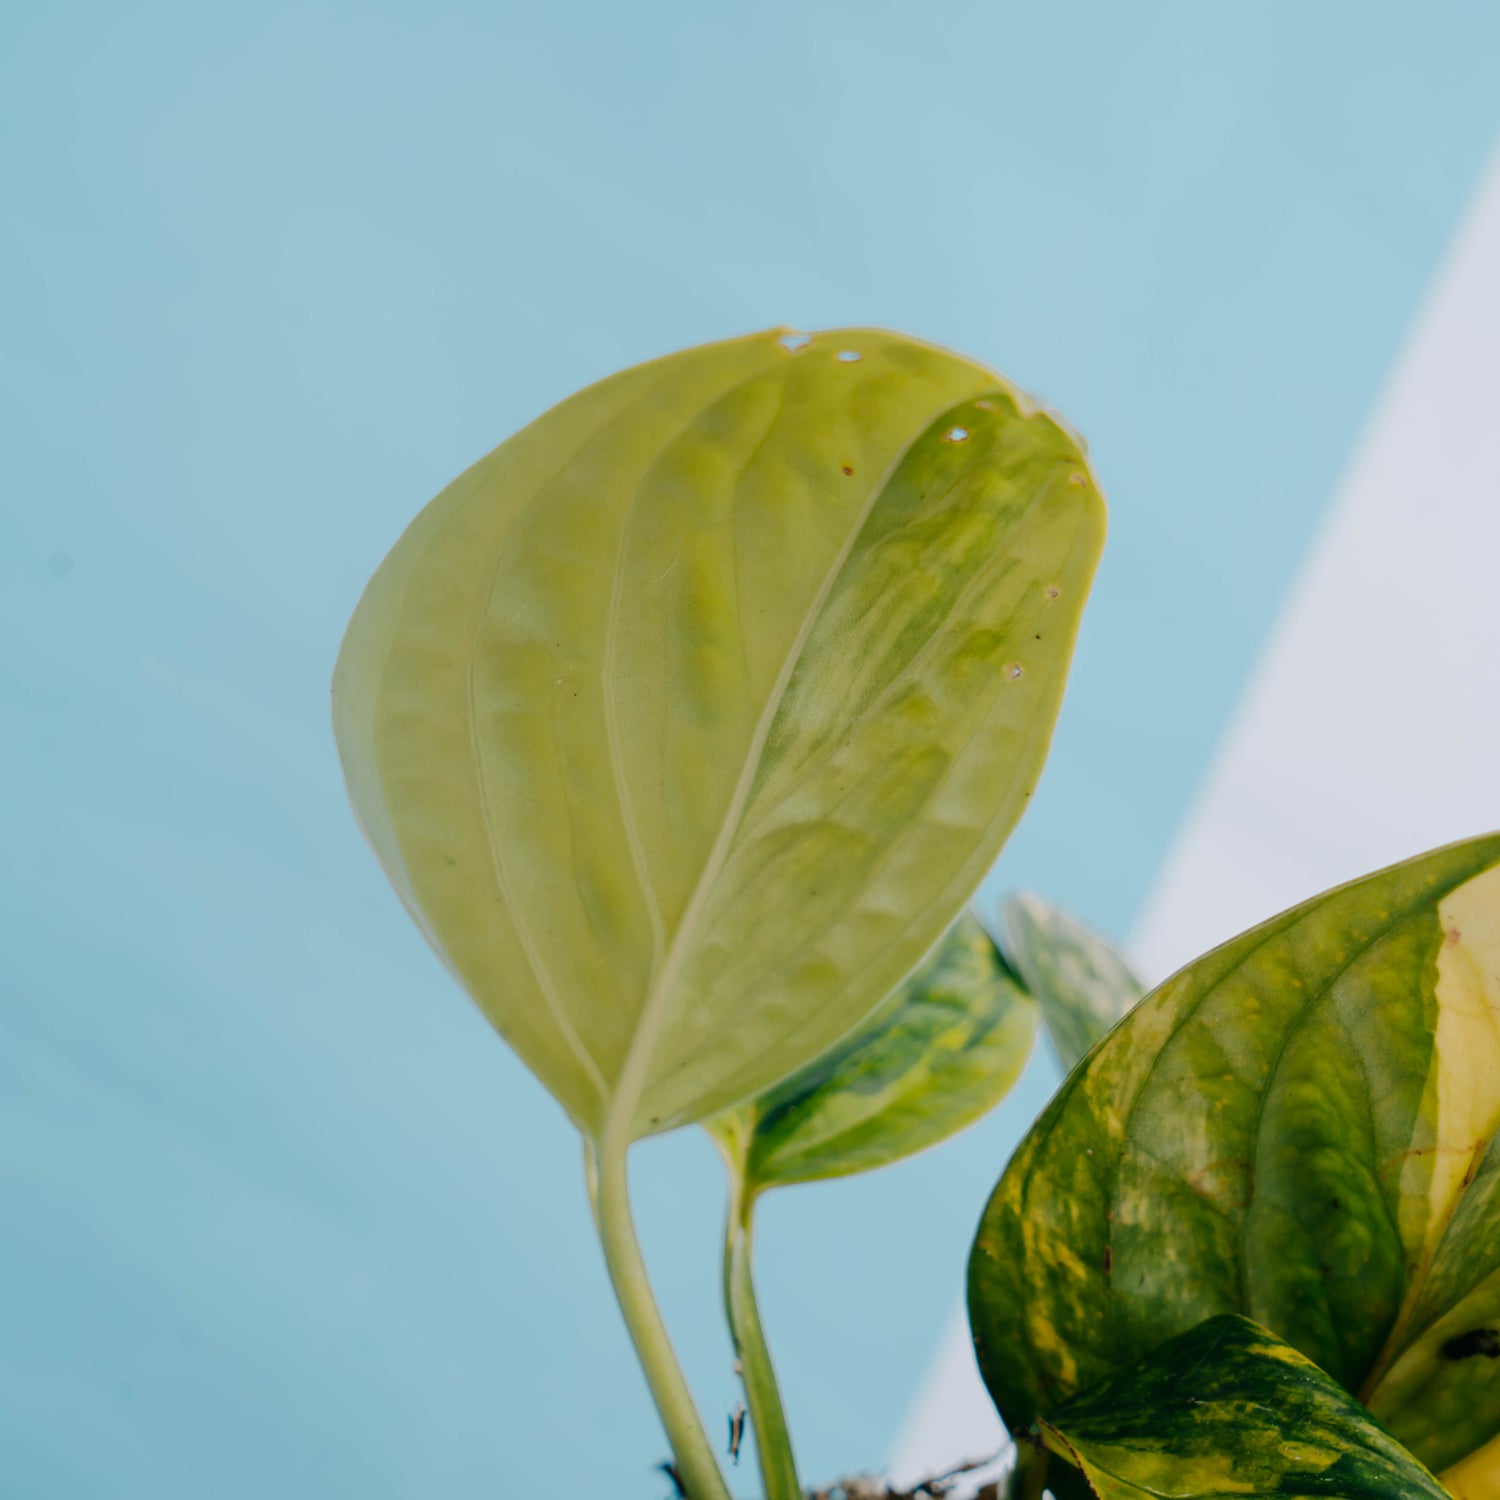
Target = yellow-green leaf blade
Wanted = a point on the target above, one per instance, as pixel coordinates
(1081, 982)
(674, 777)
(686, 720)
(941, 1052)
(1439, 1388)
(1285, 1130)
(1229, 1409)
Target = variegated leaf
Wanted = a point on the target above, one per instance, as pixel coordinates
(1299, 1127)
(1229, 1409)
(941, 1052)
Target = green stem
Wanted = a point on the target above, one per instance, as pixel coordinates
(1028, 1480)
(697, 1467)
(773, 1443)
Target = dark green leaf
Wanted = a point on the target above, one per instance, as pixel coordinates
(1298, 1127)
(1229, 1409)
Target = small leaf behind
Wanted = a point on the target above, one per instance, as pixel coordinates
(1081, 982)
(1228, 1409)
(939, 1053)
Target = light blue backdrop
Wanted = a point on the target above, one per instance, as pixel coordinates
(278, 1214)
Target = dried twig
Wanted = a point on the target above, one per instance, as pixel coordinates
(868, 1487)
(864, 1487)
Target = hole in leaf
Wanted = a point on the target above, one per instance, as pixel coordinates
(956, 435)
(849, 356)
(792, 342)
(1014, 670)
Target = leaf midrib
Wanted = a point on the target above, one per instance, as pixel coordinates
(631, 1084)
(981, 580)
(1004, 810)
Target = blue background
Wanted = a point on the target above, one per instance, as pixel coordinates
(278, 1214)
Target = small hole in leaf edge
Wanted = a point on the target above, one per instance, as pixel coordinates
(792, 342)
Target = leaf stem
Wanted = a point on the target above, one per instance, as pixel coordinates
(773, 1443)
(1028, 1480)
(697, 1468)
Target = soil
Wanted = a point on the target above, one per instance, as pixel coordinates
(948, 1485)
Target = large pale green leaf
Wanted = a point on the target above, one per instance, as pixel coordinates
(1082, 984)
(941, 1052)
(1299, 1127)
(1229, 1409)
(685, 721)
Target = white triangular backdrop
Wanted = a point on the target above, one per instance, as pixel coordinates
(1370, 730)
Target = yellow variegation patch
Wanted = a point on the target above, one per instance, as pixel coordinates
(1461, 1108)
(1476, 1477)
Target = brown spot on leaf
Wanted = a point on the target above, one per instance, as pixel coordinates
(1485, 1341)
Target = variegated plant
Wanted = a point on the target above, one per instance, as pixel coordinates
(686, 721)
(685, 724)
(1299, 1128)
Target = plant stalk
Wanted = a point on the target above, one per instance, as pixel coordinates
(697, 1468)
(773, 1443)
(1028, 1480)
